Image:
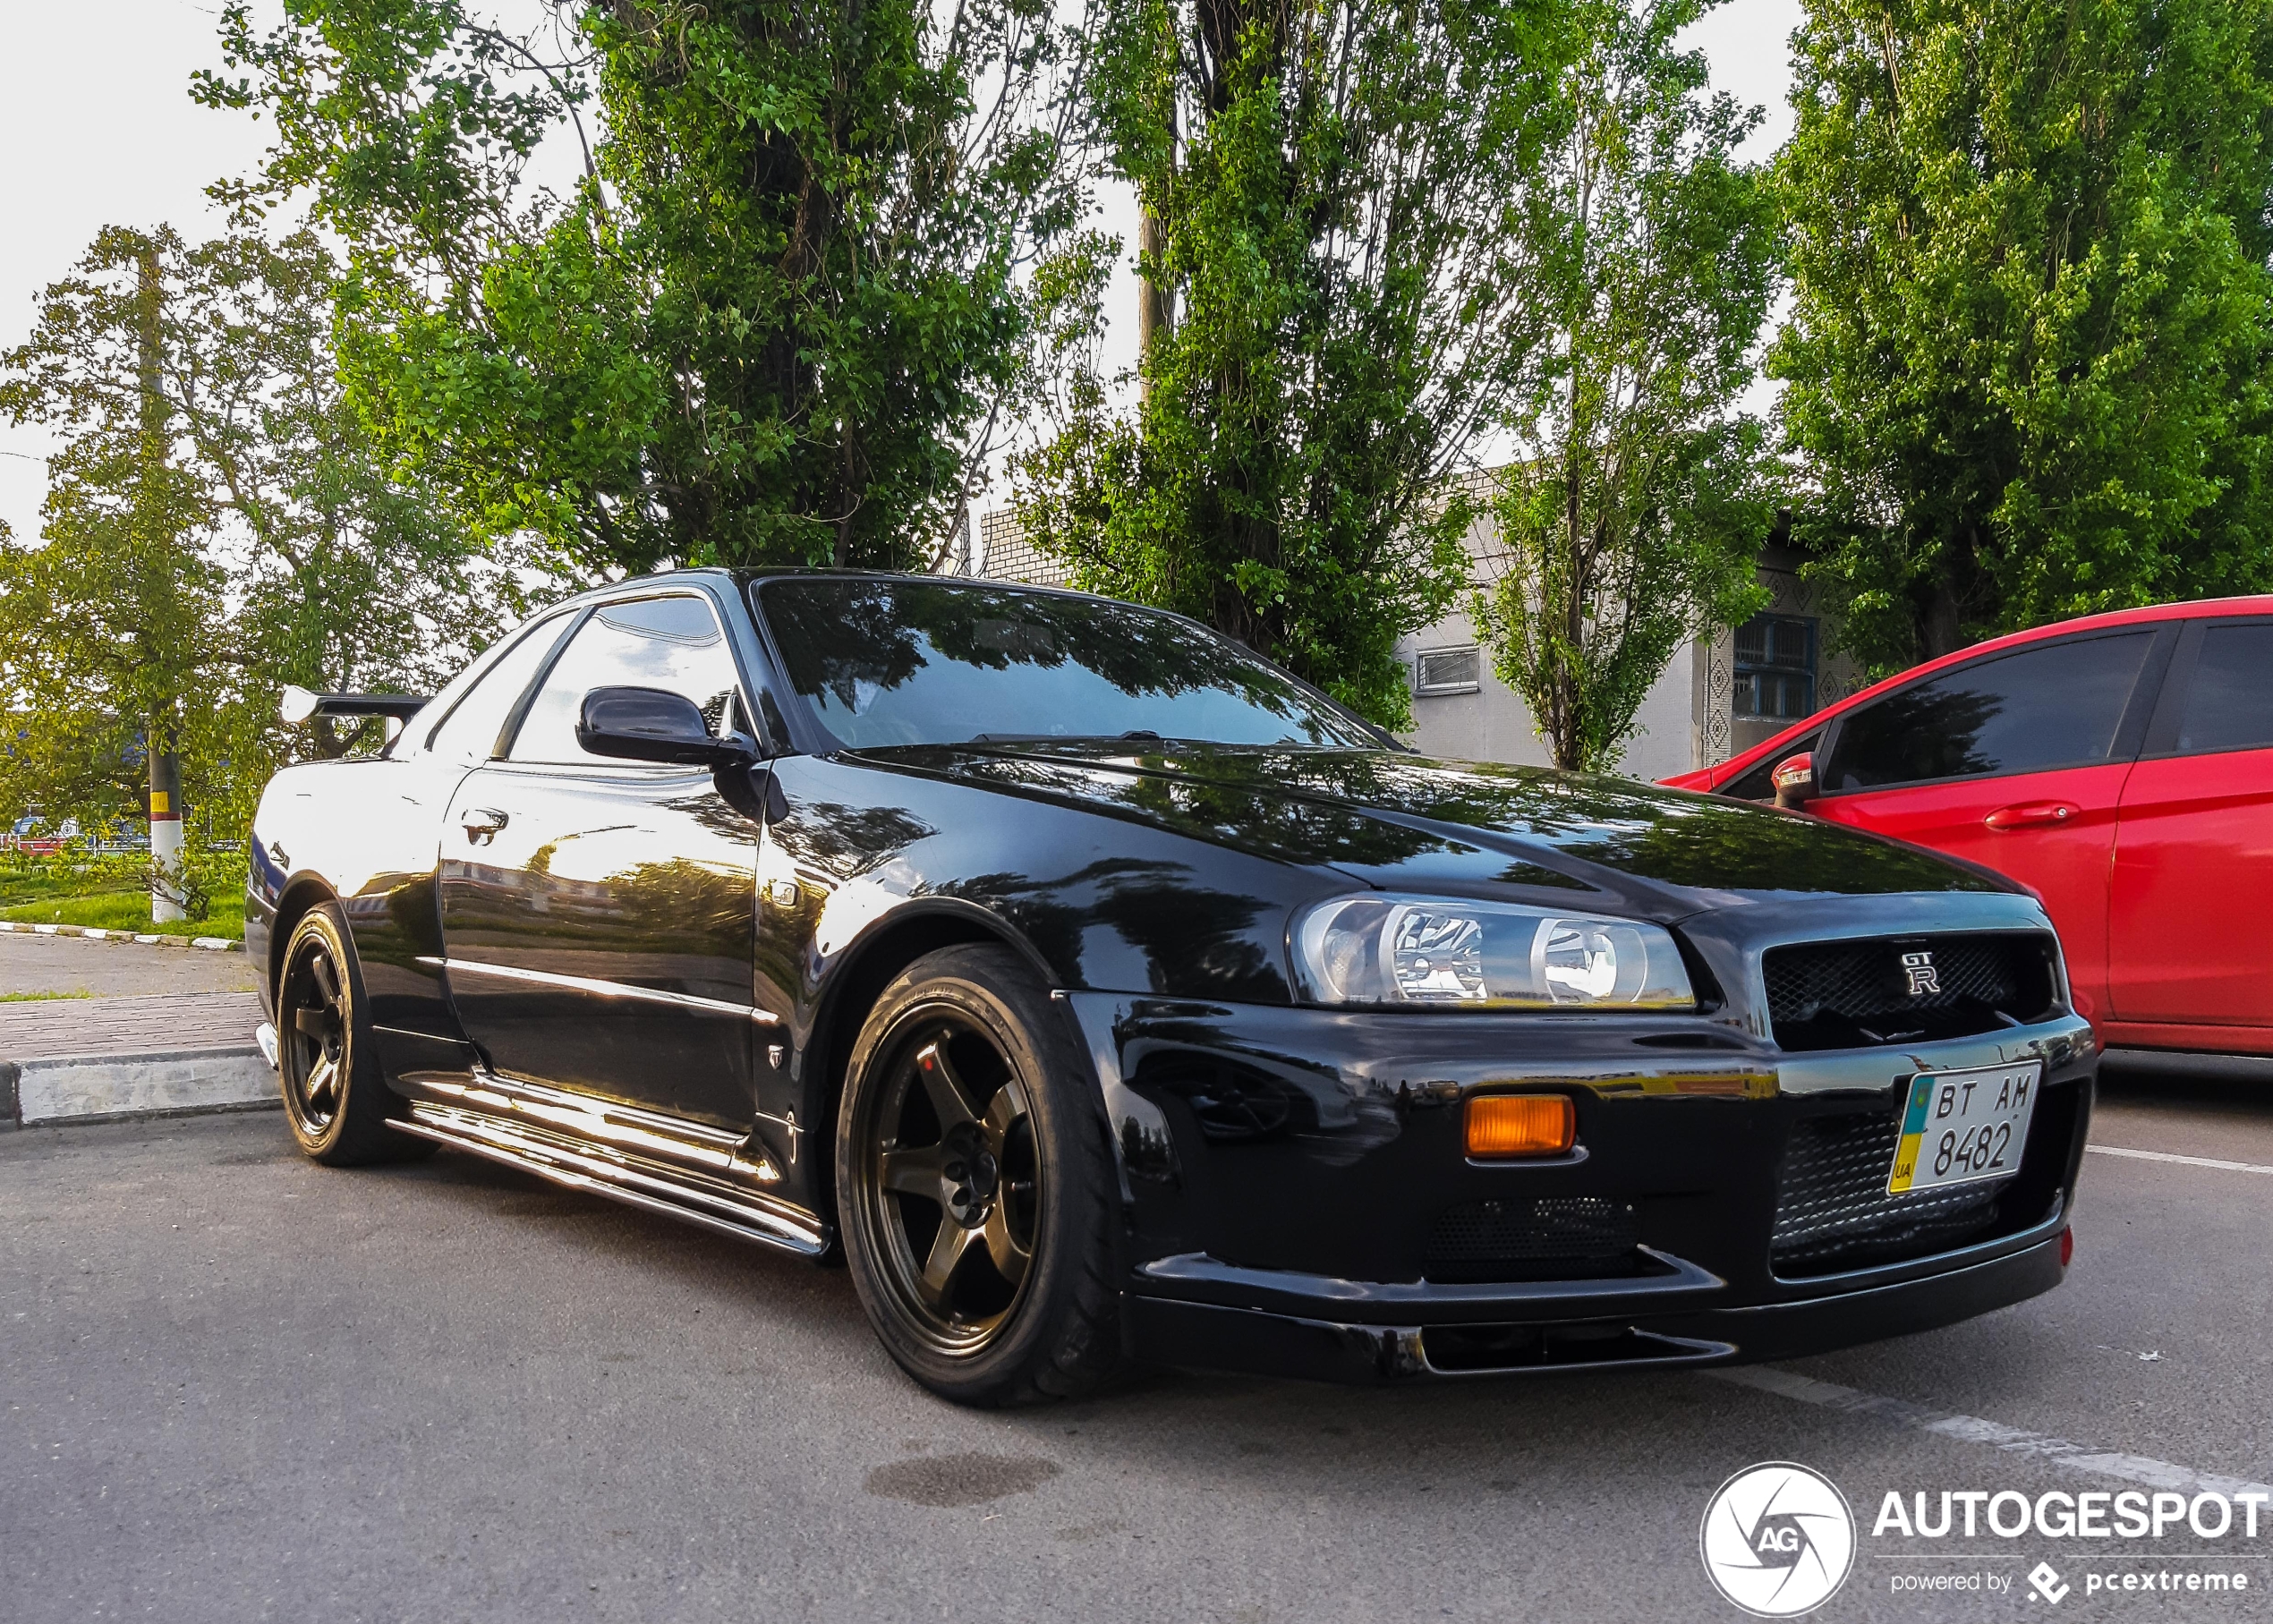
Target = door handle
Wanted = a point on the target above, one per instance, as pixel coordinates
(481, 824)
(2031, 814)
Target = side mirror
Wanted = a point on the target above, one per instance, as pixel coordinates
(1795, 780)
(654, 725)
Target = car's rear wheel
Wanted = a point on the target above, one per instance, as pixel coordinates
(973, 1176)
(334, 1099)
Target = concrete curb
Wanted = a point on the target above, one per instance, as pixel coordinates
(210, 944)
(97, 1088)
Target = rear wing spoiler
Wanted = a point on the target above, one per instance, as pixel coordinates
(299, 704)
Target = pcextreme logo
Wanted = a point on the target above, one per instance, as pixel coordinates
(1777, 1539)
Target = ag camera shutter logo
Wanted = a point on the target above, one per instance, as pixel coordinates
(1778, 1539)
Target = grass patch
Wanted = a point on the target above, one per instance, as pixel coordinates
(29, 882)
(126, 911)
(39, 998)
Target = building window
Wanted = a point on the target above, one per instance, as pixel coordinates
(1446, 671)
(1776, 667)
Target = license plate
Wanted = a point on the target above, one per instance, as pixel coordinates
(1960, 1126)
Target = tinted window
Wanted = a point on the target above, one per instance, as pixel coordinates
(907, 662)
(2229, 704)
(2057, 706)
(469, 732)
(1758, 782)
(672, 643)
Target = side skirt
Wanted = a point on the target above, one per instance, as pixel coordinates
(600, 1171)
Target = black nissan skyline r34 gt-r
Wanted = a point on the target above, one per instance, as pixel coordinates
(1102, 993)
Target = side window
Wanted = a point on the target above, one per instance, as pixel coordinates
(649, 642)
(469, 732)
(2229, 704)
(2056, 706)
(1757, 783)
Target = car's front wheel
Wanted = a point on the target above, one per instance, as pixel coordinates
(972, 1180)
(334, 1096)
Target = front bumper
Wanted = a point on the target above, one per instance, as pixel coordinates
(1285, 1173)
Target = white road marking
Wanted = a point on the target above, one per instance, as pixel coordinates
(1971, 1429)
(2190, 1162)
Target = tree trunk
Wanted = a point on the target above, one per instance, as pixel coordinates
(1939, 631)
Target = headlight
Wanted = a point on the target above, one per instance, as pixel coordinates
(1430, 951)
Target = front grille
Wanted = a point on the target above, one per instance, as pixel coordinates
(1862, 994)
(1542, 1237)
(1832, 1211)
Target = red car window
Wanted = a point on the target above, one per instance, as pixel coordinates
(2230, 704)
(2031, 710)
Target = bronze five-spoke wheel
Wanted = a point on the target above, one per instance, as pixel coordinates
(971, 1178)
(314, 1033)
(334, 1097)
(955, 1181)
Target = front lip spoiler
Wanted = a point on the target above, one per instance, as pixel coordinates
(1200, 1276)
(1210, 1336)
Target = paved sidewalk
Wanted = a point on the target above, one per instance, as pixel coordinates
(172, 1025)
(109, 969)
(66, 1058)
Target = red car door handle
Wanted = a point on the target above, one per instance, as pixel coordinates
(482, 825)
(2032, 814)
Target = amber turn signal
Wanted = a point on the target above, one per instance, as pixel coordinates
(1521, 1124)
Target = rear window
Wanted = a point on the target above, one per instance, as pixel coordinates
(914, 662)
(2031, 712)
(2229, 704)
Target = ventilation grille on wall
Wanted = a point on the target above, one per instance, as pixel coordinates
(1447, 671)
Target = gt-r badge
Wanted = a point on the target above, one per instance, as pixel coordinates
(1923, 978)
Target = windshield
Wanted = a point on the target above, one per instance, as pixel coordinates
(918, 662)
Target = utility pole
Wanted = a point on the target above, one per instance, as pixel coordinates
(162, 745)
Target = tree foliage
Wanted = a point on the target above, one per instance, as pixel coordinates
(2028, 348)
(777, 320)
(1633, 513)
(211, 538)
(1340, 208)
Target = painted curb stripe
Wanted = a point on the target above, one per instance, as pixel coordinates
(211, 944)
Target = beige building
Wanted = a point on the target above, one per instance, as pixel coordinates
(1719, 696)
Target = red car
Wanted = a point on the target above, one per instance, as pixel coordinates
(2122, 765)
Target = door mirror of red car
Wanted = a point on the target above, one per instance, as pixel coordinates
(654, 725)
(1795, 780)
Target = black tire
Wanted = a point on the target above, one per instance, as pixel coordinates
(981, 1246)
(335, 1101)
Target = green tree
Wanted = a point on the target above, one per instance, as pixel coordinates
(778, 318)
(1633, 514)
(1335, 216)
(177, 585)
(2027, 356)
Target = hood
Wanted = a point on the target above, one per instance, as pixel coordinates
(1410, 823)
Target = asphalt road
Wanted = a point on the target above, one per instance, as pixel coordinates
(238, 1386)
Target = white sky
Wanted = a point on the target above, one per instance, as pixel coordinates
(131, 149)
